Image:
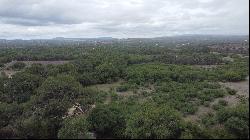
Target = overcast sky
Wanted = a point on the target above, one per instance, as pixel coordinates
(121, 18)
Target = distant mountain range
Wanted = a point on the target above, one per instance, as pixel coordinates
(157, 41)
(178, 37)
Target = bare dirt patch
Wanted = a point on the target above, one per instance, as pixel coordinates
(125, 93)
(28, 63)
(112, 88)
(107, 87)
(77, 110)
(206, 66)
(9, 72)
(108, 100)
(202, 110)
(242, 87)
(232, 100)
(45, 62)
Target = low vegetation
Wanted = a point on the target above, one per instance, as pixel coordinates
(157, 89)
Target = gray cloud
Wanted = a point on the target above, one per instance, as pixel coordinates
(130, 18)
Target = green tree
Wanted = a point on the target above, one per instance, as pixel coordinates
(18, 66)
(154, 122)
(74, 128)
(21, 87)
(236, 120)
(36, 127)
(107, 120)
(107, 72)
(8, 113)
(59, 87)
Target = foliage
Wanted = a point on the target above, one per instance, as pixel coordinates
(166, 83)
(74, 128)
(154, 122)
(107, 120)
(18, 66)
(59, 87)
(236, 120)
(21, 87)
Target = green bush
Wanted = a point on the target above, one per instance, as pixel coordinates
(217, 106)
(18, 66)
(223, 102)
(122, 88)
(1, 65)
(74, 128)
(231, 91)
(194, 131)
(107, 121)
(60, 87)
(208, 119)
(206, 104)
(151, 122)
(235, 119)
(238, 126)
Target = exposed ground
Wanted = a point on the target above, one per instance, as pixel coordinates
(45, 62)
(242, 89)
(76, 109)
(206, 66)
(107, 87)
(9, 72)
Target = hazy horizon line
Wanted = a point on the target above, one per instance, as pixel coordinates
(51, 38)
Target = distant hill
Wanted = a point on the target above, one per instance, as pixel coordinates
(190, 40)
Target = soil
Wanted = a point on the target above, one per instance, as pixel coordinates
(9, 72)
(242, 88)
(107, 87)
(45, 62)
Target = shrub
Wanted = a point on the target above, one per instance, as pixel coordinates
(18, 66)
(236, 120)
(194, 131)
(231, 91)
(206, 104)
(208, 119)
(122, 88)
(1, 65)
(223, 102)
(217, 106)
(154, 122)
(237, 126)
(74, 128)
(107, 121)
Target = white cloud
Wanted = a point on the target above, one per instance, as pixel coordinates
(130, 18)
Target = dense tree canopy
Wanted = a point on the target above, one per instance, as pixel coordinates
(131, 89)
(152, 122)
